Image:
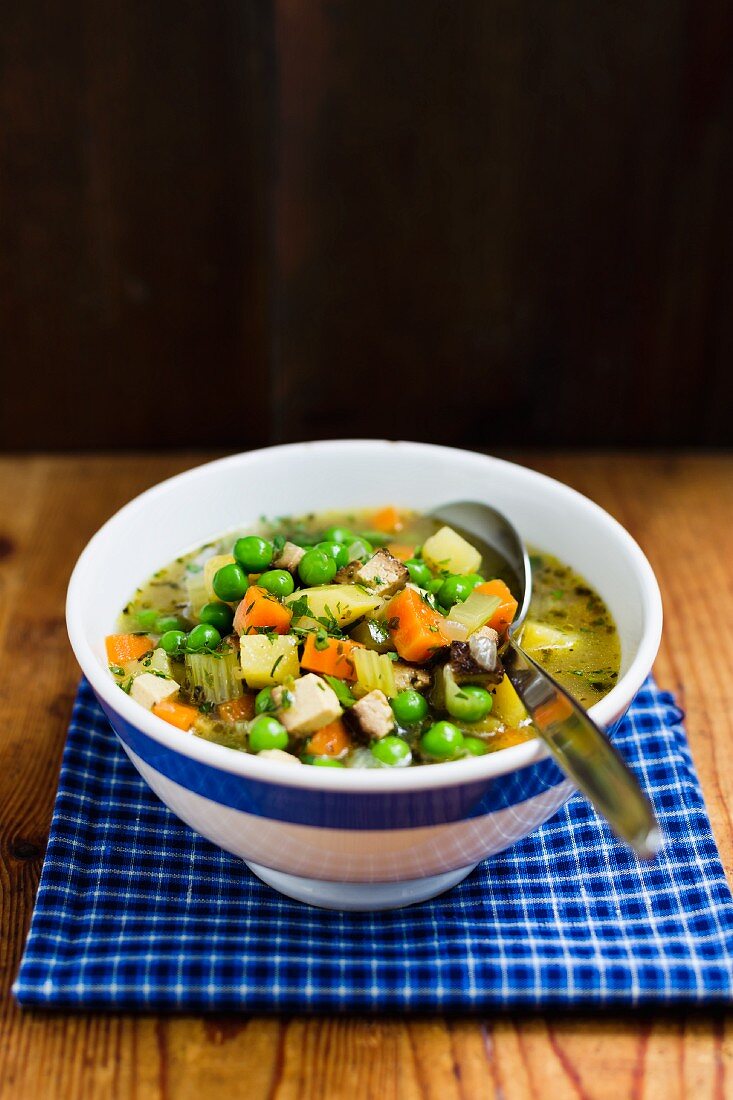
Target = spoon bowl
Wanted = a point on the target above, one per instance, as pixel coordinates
(578, 745)
(503, 551)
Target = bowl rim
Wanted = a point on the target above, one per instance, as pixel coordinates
(352, 780)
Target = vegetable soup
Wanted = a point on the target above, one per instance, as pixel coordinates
(371, 639)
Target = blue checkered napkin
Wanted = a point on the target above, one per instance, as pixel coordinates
(136, 911)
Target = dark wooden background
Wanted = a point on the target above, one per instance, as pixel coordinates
(230, 222)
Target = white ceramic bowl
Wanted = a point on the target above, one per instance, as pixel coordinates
(352, 839)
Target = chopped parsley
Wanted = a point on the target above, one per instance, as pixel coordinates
(341, 689)
(300, 607)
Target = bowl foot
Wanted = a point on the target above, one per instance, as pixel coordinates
(360, 897)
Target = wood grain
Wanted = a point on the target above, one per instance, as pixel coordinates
(496, 210)
(134, 234)
(679, 507)
(489, 212)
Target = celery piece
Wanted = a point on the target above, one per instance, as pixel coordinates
(213, 677)
(341, 689)
(160, 662)
(475, 611)
(450, 688)
(457, 632)
(380, 613)
(374, 671)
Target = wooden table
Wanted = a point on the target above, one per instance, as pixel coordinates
(679, 507)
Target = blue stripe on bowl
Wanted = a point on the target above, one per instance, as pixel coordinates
(330, 809)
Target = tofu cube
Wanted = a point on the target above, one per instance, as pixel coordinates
(373, 715)
(383, 574)
(279, 755)
(149, 689)
(410, 677)
(289, 557)
(307, 705)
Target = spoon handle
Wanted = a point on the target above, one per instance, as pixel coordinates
(584, 753)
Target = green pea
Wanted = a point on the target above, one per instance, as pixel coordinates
(173, 642)
(230, 582)
(409, 707)
(316, 567)
(474, 746)
(419, 573)
(326, 762)
(434, 586)
(167, 622)
(456, 589)
(470, 704)
(203, 636)
(442, 741)
(391, 750)
(339, 534)
(146, 618)
(264, 701)
(219, 615)
(253, 553)
(360, 548)
(277, 581)
(267, 733)
(337, 551)
(376, 538)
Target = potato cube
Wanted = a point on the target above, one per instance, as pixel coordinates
(508, 707)
(537, 636)
(212, 566)
(448, 552)
(343, 602)
(268, 659)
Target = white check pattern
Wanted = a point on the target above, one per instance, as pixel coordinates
(136, 911)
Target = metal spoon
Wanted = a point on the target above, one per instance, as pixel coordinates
(578, 745)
